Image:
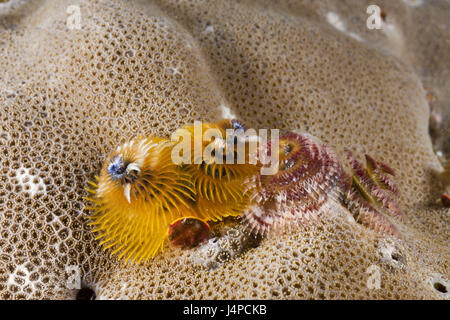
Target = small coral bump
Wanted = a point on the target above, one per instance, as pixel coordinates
(228, 243)
(188, 232)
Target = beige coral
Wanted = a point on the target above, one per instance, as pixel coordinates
(68, 96)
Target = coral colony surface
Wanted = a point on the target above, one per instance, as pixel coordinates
(283, 149)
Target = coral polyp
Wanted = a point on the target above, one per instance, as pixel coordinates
(228, 243)
(139, 192)
(188, 232)
(309, 175)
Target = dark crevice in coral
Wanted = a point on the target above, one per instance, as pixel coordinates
(397, 257)
(85, 294)
(440, 287)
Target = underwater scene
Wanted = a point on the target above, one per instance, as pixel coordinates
(224, 150)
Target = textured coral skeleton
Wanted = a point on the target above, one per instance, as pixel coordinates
(151, 66)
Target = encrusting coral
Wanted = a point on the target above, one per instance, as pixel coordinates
(70, 94)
